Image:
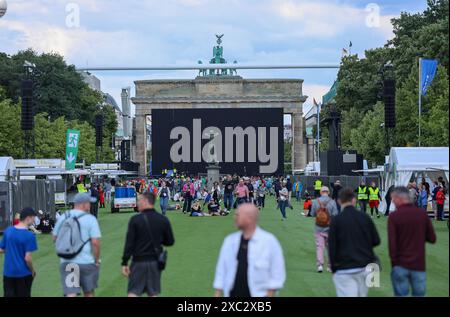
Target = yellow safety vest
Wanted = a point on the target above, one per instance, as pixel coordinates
(81, 189)
(373, 193)
(362, 193)
(318, 185)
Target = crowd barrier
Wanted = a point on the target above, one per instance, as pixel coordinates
(16, 195)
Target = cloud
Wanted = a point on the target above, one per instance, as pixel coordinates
(322, 19)
(176, 32)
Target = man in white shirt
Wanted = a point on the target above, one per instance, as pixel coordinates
(251, 261)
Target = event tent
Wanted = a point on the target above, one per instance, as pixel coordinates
(414, 163)
(406, 163)
(6, 164)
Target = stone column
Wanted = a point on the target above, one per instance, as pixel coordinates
(310, 150)
(299, 148)
(141, 144)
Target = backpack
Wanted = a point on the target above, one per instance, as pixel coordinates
(323, 218)
(69, 242)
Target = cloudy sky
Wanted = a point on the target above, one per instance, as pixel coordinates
(180, 32)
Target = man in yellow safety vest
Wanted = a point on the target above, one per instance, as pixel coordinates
(81, 188)
(374, 199)
(317, 187)
(363, 196)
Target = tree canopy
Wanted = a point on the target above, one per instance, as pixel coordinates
(359, 93)
(62, 100)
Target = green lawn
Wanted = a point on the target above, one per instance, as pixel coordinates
(192, 260)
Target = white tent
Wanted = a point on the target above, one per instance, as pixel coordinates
(6, 164)
(407, 163)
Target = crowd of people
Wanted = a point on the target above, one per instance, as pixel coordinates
(251, 261)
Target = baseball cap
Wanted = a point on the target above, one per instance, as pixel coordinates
(27, 212)
(324, 189)
(81, 198)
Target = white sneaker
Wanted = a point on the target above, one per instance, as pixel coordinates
(320, 269)
(328, 270)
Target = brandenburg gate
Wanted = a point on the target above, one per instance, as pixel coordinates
(219, 88)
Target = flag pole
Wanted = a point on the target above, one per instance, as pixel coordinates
(420, 99)
(318, 133)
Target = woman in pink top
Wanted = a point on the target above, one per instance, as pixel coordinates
(188, 193)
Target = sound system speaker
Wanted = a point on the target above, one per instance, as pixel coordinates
(389, 103)
(130, 166)
(27, 120)
(337, 163)
(99, 130)
(125, 150)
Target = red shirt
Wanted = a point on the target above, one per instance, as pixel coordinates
(409, 228)
(306, 204)
(440, 198)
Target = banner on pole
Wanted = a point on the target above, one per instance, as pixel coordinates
(72, 140)
(428, 69)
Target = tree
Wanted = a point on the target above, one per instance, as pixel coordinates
(416, 35)
(287, 157)
(50, 137)
(11, 135)
(434, 111)
(360, 80)
(59, 88)
(368, 138)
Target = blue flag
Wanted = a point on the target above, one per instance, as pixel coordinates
(428, 69)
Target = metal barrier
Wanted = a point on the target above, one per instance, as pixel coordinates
(14, 196)
(346, 181)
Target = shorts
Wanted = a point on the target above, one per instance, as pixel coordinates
(79, 277)
(17, 286)
(374, 203)
(145, 277)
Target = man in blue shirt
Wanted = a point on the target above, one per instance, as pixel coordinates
(18, 243)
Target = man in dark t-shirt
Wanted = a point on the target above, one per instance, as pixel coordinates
(229, 185)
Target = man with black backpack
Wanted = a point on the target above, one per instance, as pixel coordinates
(323, 208)
(77, 241)
(147, 233)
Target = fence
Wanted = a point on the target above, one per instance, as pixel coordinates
(346, 181)
(14, 196)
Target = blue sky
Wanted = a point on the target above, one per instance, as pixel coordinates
(180, 32)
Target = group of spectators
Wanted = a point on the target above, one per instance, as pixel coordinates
(251, 261)
(424, 193)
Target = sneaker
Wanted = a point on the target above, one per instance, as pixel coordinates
(378, 216)
(328, 270)
(320, 269)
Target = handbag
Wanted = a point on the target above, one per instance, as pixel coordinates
(161, 255)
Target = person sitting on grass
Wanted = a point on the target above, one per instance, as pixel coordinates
(196, 210)
(307, 206)
(214, 209)
(46, 225)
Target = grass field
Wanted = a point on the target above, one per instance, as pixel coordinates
(191, 263)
